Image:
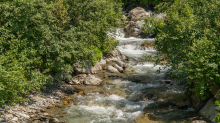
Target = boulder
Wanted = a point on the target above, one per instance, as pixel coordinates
(198, 121)
(115, 55)
(112, 69)
(85, 67)
(133, 29)
(195, 100)
(86, 80)
(102, 62)
(138, 13)
(97, 67)
(121, 64)
(92, 80)
(54, 120)
(209, 110)
(120, 69)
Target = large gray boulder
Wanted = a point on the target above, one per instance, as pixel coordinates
(138, 13)
(115, 55)
(133, 29)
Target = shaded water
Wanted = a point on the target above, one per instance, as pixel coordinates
(124, 100)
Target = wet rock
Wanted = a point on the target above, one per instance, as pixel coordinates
(208, 110)
(115, 55)
(112, 69)
(86, 79)
(120, 69)
(15, 119)
(102, 63)
(138, 13)
(92, 80)
(36, 121)
(97, 67)
(121, 64)
(8, 116)
(198, 121)
(24, 115)
(54, 120)
(2, 120)
(129, 69)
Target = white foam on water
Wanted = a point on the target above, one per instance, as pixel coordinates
(112, 108)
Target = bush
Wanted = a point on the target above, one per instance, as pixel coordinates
(42, 37)
(189, 42)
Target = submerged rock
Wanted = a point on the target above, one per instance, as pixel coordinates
(129, 69)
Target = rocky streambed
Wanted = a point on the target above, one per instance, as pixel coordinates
(121, 88)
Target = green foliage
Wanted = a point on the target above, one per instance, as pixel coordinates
(38, 37)
(97, 54)
(217, 118)
(134, 3)
(189, 41)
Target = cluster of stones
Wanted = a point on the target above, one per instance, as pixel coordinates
(134, 21)
(33, 112)
(114, 62)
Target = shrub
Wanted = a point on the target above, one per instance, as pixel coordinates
(189, 42)
(42, 37)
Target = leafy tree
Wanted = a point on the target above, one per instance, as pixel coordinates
(189, 41)
(40, 37)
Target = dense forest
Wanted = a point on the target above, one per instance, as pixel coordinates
(42, 37)
(39, 38)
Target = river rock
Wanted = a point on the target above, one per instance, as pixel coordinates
(102, 62)
(121, 64)
(112, 69)
(137, 13)
(97, 67)
(129, 69)
(2, 120)
(15, 119)
(85, 67)
(86, 79)
(198, 121)
(133, 29)
(120, 69)
(209, 110)
(92, 80)
(24, 115)
(54, 120)
(115, 55)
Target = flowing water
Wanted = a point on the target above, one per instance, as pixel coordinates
(125, 100)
